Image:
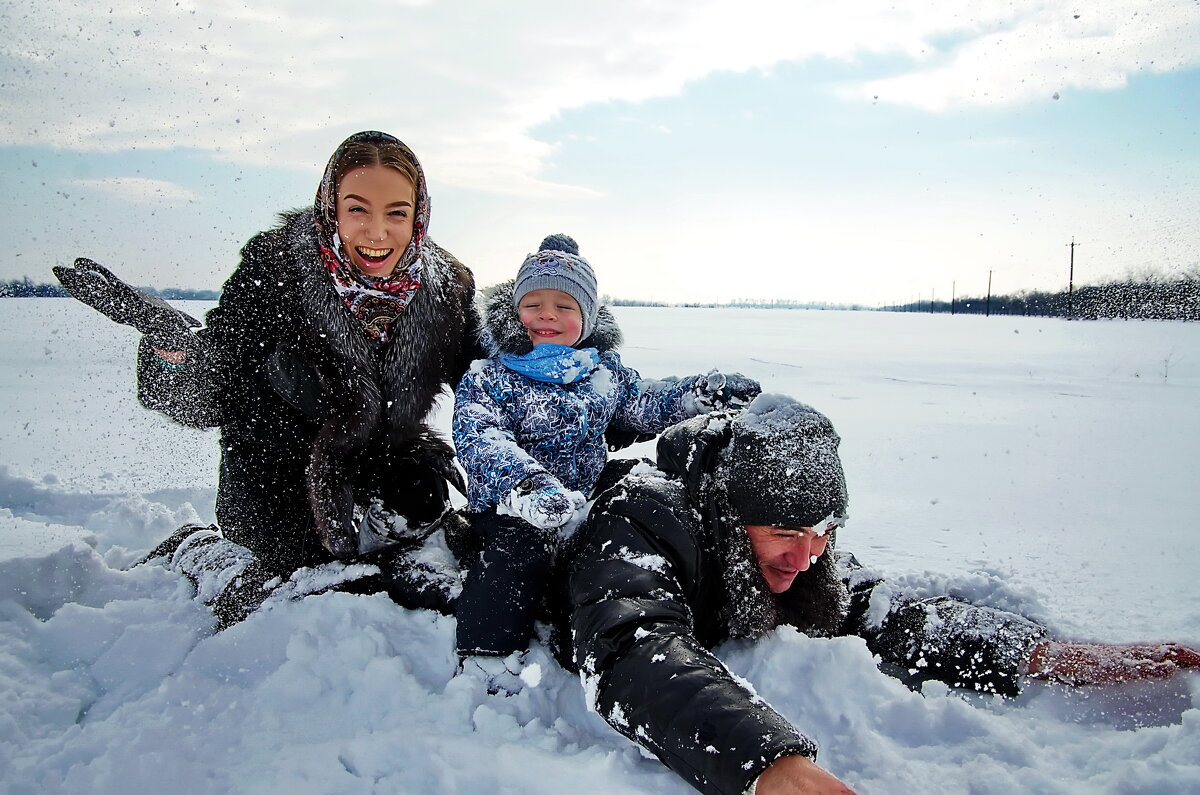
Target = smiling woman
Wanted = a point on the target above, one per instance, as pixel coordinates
(320, 365)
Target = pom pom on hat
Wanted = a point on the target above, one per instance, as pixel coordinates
(560, 242)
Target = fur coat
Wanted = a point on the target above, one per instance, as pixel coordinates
(312, 411)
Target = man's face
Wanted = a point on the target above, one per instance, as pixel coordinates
(784, 552)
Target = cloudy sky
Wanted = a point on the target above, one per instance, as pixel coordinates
(872, 152)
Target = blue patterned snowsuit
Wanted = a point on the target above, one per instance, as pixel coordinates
(508, 426)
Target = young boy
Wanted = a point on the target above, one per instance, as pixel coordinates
(529, 427)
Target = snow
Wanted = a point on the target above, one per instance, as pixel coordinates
(1037, 465)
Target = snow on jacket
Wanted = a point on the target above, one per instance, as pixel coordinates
(657, 579)
(296, 386)
(508, 426)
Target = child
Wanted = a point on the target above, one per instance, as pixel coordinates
(529, 427)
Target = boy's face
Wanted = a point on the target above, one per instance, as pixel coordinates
(551, 316)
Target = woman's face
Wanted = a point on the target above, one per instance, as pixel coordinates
(375, 208)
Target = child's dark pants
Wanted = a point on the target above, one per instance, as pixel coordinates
(503, 591)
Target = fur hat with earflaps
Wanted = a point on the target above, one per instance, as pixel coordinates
(781, 465)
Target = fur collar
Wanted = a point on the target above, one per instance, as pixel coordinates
(503, 332)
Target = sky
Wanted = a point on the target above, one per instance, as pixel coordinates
(868, 153)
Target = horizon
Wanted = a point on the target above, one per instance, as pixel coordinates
(867, 155)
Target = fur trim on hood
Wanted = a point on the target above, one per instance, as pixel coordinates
(503, 332)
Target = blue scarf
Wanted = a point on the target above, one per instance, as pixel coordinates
(554, 364)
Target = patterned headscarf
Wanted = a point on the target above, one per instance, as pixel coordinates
(376, 302)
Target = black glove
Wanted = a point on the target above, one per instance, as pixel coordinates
(167, 328)
(724, 390)
(618, 439)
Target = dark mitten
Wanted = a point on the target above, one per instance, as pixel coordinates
(618, 438)
(167, 328)
(718, 390)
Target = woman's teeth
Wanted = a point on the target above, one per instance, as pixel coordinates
(374, 253)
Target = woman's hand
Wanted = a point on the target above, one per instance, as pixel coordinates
(1099, 664)
(795, 775)
(99, 288)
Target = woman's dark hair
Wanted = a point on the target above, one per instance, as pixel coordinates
(377, 153)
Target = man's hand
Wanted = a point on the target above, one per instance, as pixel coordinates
(1098, 664)
(797, 774)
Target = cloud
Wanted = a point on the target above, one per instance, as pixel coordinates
(140, 190)
(464, 83)
(1041, 51)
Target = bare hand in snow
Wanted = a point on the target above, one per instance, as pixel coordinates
(795, 775)
(1098, 664)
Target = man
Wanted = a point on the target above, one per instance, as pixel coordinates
(732, 537)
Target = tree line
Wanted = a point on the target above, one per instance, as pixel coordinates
(26, 288)
(1147, 298)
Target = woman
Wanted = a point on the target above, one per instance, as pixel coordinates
(326, 352)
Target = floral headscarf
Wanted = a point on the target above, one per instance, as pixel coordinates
(376, 302)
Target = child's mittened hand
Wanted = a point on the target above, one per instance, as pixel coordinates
(718, 390)
(741, 389)
(544, 502)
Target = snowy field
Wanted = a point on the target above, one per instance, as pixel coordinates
(1034, 464)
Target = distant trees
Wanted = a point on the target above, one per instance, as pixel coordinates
(25, 288)
(1142, 297)
(1147, 297)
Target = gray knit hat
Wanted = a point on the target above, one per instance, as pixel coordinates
(781, 465)
(558, 266)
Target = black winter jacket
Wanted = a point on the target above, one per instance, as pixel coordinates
(658, 578)
(313, 416)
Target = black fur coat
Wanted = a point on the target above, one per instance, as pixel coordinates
(311, 411)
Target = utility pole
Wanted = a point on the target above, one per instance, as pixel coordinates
(1071, 280)
(953, 293)
(987, 312)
